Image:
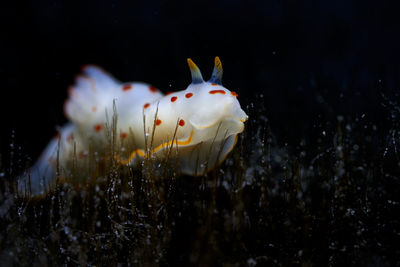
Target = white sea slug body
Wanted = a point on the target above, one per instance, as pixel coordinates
(198, 126)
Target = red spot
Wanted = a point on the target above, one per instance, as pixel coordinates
(82, 154)
(146, 105)
(234, 94)
(214, 84)
(189, 95)
(70, 138)
(127, 87)
(158, 122)
(173, 99)
(98, 127)
(181, 122)
(124, 135)
(169, 92)
(217, 92)
(153, 89)
(94, 109)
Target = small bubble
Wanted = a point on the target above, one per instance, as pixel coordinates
(251, 262)
(300, 253)
(66, 230)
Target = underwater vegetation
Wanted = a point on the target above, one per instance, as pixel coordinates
(331, 199)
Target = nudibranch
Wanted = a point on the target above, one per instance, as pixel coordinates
(198, 126)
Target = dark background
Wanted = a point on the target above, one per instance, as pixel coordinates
(312, 61)
(308, 58)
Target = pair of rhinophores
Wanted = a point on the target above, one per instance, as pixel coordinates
(199, 125)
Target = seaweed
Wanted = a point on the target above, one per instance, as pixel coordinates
(330, 199)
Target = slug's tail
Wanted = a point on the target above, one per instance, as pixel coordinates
(42, 176)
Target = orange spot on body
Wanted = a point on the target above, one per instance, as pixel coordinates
(158, 122)
(124, 135)
(189, 95)
(174, 98)
(217, 92)
(152, 89)
(82, 154)
(181, 123)
(127, 87)
(94, 109)
(214, 84)
(169, 92)
(146, 105)
(98, 127)
(70, 138)
(234, 94)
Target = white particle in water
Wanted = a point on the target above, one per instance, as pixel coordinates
(350, 212)
(300, 253)
(251, 262)
(66, 230)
